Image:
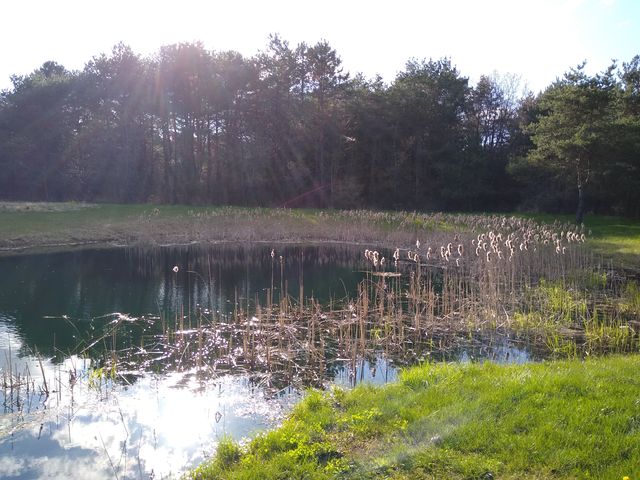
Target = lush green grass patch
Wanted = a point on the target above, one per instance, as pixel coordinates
(562, 419)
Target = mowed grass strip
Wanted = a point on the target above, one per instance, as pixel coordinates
(560, 419)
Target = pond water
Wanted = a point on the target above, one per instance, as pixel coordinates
(132, 363)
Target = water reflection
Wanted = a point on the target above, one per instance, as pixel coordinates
(115, 365)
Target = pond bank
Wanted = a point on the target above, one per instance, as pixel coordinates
(54, 227)
(560, 419)
(32, 227)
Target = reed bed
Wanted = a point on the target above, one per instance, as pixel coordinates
(475, 277)
(433, 286)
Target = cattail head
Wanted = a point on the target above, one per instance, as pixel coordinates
(175, 269)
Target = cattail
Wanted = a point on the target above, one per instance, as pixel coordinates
(417, 244)
(460, 249)
(396, 254)
(175, 269)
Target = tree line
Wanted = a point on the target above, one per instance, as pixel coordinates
(288, 127)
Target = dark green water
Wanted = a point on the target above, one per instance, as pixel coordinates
(158, 413)
(54, 298)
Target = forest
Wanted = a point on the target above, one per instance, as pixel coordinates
(289, 127)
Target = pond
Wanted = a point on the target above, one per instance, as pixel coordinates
(134, 363)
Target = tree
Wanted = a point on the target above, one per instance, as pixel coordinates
(570, 136)
(429, 101)
(37, 121)
(326, 81)
(112, 145)
(493, 131)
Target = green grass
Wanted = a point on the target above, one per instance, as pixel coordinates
(562, 419)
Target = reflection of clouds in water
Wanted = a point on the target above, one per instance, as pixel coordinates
(46, 458)
(164, 424)
(87, 467)
(11, 466)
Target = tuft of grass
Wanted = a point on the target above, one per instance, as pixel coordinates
(631, 299)
(558, 419)
(227, 455)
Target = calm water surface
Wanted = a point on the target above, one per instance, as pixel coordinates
(62, 315)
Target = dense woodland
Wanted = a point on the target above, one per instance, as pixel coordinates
(288, 127)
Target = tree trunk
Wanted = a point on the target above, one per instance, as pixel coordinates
(581, 181)
(580, 210)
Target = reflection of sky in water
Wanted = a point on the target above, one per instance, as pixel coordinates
(161, 424)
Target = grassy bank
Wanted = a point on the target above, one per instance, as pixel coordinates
(60, 225)
(29, 226)
(563, 419)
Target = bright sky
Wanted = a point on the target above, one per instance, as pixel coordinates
(536, 39)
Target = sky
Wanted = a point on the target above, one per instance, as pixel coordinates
(536, 40)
